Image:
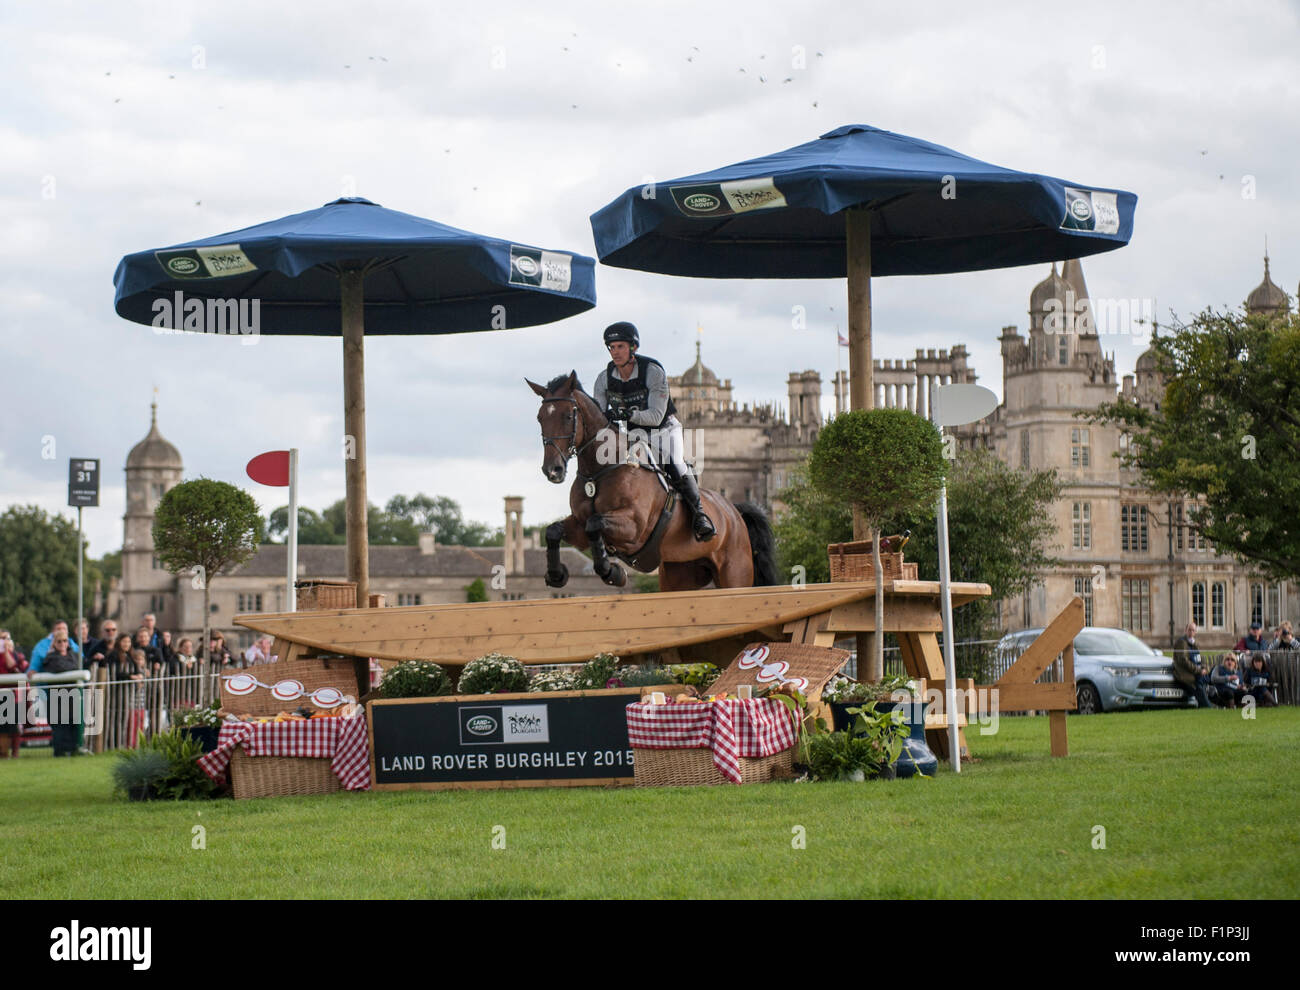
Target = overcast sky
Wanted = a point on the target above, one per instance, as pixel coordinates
(129, 126)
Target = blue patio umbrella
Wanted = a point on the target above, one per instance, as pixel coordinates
(352, 268)
(857, 202)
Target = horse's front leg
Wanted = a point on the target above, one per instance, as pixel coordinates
(565, 531)
(605, 569)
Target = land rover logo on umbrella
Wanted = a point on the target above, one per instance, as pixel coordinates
(526, 265)
(1081, 209)
(482, 725)
(701, 202)
(182, 265)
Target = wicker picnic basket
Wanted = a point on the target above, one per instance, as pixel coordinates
(854, 562)
(282, 776)
(315, 595)
(279, 776)
(691, 767)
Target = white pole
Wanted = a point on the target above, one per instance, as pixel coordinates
(292, 554)
(80, 586)
(945, 601)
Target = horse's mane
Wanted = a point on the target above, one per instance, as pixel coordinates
(559, 380)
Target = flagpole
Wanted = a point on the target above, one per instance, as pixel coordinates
(292, 554)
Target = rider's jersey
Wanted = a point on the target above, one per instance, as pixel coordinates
(642, 400)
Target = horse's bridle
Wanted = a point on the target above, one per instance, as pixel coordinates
(572, 436)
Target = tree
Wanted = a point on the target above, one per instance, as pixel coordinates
(399, 523)
(441, 515)
(999, 527)
(476, 591)
(202, 527)
(38, 569)
(1226, 434)
(880, 462)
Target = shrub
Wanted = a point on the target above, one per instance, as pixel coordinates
(493, 674)
(166, 766)
(644, 676)
(552, 680)
(415, 679)
(596, 672)
(700, 675)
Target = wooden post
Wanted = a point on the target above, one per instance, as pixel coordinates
(352, 289)
(857, 231)
(857, 238)
(1056, 725)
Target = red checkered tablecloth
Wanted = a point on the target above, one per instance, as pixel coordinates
(341, 740)
(732, 728)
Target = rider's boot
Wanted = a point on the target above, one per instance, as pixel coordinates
(684, 483)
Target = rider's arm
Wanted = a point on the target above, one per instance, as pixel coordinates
(657, 382)
(598, 391)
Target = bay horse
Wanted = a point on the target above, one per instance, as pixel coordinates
(619, 509)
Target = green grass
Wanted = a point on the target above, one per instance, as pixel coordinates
(1176, 792)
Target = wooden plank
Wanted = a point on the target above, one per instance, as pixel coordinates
(1030, 697)
(966, 696)
(1043, 651)
(926, 657)
(900, 616)
(1060, 741)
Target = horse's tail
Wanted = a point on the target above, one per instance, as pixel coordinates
(762, 543)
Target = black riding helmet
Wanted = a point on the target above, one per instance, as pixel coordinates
(622, 331)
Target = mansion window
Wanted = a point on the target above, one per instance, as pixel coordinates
(1135, 604)
(1198, 603)
(1063, 349)
(1083, 588)
(1024, 449)
(1195, 541)
(156, 564)
(1133, 533)
(1082, 514)
(403, 599)
(157, 603)
(1265, 602)
(513, 596)
(1080, 453)
(248, 603)
(157, 491)
(1218, 599)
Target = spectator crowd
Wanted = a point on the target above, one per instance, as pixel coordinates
(135, 658)
(1247, 670)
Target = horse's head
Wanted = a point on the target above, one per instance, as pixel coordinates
(562, 422)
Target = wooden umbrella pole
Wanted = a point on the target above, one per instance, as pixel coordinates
(352, 289)
(858, 247)
(857, 229)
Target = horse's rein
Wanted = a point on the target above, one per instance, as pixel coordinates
(572, 436)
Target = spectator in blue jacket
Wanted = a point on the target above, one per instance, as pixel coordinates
(1258, 679)
(1254, 641)
(1227, 681)
(43, 647)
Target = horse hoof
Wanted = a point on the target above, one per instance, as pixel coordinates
(557, 579)
(616, 576)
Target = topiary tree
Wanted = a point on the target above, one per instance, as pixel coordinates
(203, 527)
(476, 591)
(881, 462)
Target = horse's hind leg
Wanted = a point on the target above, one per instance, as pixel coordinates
(605, 569)
(686, 575)
(734, 571)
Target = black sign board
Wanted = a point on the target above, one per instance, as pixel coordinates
(502, 740)
(83, 481)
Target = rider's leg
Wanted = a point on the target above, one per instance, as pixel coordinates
(680, 475)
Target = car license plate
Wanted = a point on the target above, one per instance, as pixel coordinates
(1166, 692)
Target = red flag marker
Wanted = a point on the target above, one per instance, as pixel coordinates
(271, 468)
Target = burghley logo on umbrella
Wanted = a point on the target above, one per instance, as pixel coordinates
(1087, 210)
(726, 198)
(544, 269)
(205, 262)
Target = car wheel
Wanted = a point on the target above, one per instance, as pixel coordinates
(1088, 701)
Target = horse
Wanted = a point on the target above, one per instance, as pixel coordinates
(621, 509)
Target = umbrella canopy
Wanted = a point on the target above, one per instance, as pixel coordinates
(422, 277)
(933, 211)
(858, 201)
(351, 268)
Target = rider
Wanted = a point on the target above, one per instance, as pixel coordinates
(634, 390)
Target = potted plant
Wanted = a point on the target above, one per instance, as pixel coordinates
(203, 724)
(494, 673)
(596, 673)
(869, 750)
(137, 772)
(846, 698)
(879, 462)
(552, 680)
(415, 679)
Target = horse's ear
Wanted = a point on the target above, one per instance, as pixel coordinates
(539, 389)
(573, 379)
